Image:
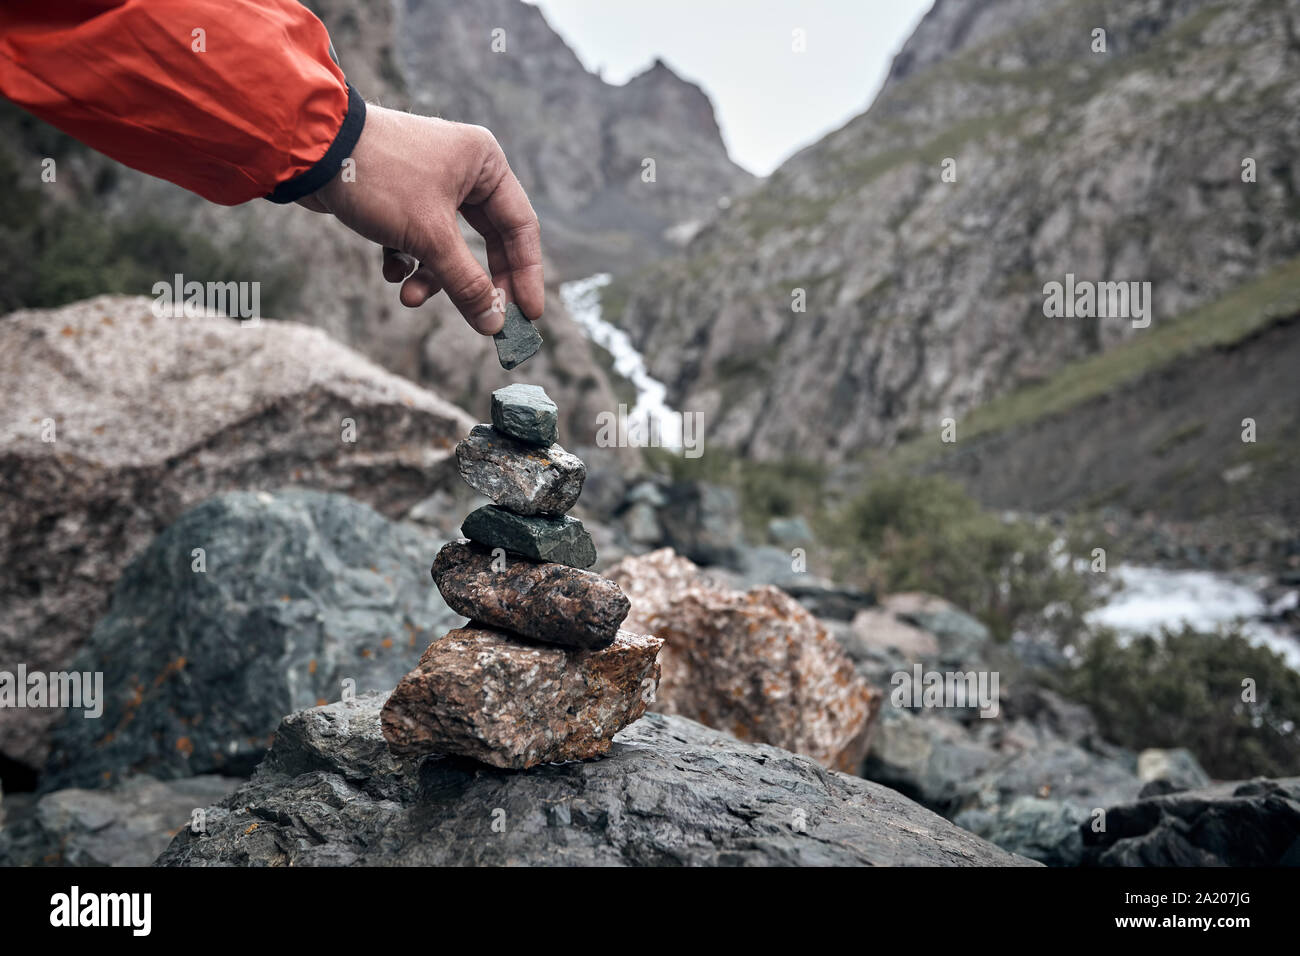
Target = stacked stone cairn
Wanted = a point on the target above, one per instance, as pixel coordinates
(542, 672)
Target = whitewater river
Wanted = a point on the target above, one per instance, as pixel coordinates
(582, 298)
(1148, 597)
(1153, 597)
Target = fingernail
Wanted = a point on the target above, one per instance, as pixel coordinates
(489, 322)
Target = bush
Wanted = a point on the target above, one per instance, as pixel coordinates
(779, 489)
(924, 533)
(52, 253)
(71, 255)
(1184, 689)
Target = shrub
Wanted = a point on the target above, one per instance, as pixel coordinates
(52, 253)
(924, 533)
(1184, 689)
(73, 254)
(778, 489)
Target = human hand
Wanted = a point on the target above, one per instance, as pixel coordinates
(413, 175)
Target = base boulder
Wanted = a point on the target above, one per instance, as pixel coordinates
(669, 792)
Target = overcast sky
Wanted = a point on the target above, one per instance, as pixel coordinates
(770, 100)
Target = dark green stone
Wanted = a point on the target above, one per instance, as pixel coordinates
(562, 540)
(518, 340)
(525, 412)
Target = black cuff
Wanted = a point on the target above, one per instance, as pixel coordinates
(313, 179)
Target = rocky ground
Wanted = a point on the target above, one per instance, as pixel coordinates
(670, 792)
(127, 824)
(183, 511)
(1030, 780)
(1254, 823)
(118, 422)
(305, 596)
(213, 612)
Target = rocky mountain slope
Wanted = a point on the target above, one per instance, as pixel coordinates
(576, 142)
(1227, 501)
(924, 296)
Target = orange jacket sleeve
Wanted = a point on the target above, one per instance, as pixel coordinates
(232, 99)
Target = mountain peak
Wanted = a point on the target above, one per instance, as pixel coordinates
(660, 72)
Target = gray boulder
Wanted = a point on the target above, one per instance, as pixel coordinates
(670, 792)
(1252, 823)
(790, 532)
(962, 638)
(702, 522)
(766, 564)
(1027, 779)
(1168, 770)
(926, 757)
(1036, 801)
(116, 422)
(900, 630)
(1041, 828)
(302, 591)
(128, 824)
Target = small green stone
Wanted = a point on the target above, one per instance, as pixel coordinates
(562, 540)
(518, 340)
(525, 412)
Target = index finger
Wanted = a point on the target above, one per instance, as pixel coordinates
(507, 208)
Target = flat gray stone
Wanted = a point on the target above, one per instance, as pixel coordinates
(525, 479)
(526, 412)
(518, 340)
(562, 540)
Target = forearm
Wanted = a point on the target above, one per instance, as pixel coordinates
(231, 99)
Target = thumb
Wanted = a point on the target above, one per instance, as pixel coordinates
(465, 281)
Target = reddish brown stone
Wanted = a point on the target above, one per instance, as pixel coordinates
(754, 663)
(511, 703)
(546, 601)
